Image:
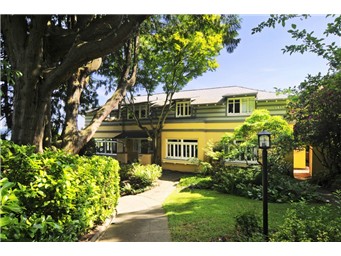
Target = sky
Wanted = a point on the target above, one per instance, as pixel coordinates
(258, 61)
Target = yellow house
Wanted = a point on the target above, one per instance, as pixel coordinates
(197, 116)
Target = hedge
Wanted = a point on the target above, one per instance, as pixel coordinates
(54, 196)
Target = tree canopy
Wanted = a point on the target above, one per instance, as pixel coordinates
(245, 137)
(315, 104)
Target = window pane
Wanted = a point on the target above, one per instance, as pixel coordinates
(230, 106)
(237, 106)
(143, 113)
(245, 103)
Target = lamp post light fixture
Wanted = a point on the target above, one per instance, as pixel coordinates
(264, 142)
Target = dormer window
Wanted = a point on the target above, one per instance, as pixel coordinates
(183, 109)
(243, 105)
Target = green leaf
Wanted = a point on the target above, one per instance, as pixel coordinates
(6, 186)
(13, 207)
(4, 221)
(3, 237)
(293, 26)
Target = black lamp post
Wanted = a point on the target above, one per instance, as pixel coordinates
(264, 142)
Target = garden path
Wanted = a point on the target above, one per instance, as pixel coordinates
(141, 218)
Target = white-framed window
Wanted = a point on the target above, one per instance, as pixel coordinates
(182, 149)
(106, 147)
(183, 109)
(240, 105)
(140, 112)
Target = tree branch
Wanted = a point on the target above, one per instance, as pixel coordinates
(82, 52)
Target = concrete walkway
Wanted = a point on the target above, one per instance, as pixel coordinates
(141, 218)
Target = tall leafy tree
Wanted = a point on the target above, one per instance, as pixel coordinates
(48, 50)
(174, 50)
(315, 104)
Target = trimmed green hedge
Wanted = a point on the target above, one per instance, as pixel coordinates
(54, 196)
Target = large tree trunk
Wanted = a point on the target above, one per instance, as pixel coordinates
(47, 55)
(29, 111)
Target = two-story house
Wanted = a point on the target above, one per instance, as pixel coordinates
(197, 117)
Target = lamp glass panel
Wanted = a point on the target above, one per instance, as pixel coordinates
(264, 141)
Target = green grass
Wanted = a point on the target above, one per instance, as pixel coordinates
(198, 214)
(205, 215)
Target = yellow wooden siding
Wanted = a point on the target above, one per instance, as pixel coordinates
(145, 159)
(299, 159)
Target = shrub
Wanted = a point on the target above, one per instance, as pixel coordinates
(197, 182)
(310, 224)
(247, 182)
(136, 178)
(247, 228)
(62, 196)
(238, 181)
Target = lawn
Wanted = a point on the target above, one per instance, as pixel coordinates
(204, 215)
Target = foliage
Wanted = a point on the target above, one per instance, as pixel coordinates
(60, 196)
(310, 224)
(247, 133)
(315, 104)
(178, 48)
(316, 110)
(136, 178)
(247, 182)
(247, 228)
(239, 181)
(196, 182)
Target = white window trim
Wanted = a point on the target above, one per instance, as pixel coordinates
(109, 147)
(183, 105)
(242, 100)
(139, 109)
(188, 150)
